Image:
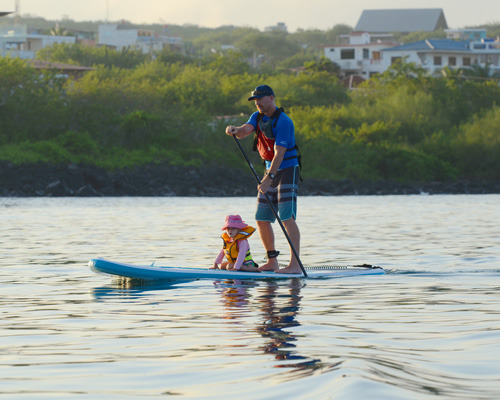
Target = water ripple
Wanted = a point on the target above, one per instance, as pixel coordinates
(429, 328)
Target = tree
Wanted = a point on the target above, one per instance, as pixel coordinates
(419, 35)
(297, 60)
(274, 46)
(168, 56)
(333, 35)
(231, 63)
(59, 31)
(91, 56)
(450, 73)
(324, 64)
(309, 40)
(308, 89)
(479, 71)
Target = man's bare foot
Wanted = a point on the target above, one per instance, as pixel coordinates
(270, 265)
(290, 269)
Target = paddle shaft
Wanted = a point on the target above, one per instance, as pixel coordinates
(272, 207)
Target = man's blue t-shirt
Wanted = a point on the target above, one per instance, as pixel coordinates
(284, 134)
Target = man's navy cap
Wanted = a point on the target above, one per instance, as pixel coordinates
(261, 91)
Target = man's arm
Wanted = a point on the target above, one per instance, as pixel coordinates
(279, 154)
(239, 131)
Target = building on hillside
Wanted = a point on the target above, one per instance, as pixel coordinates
(35, 41)
(361, 55)
(402, 20)
(9, 36)
(466, 34)
(16, 41)
(279, 27)
(85, 38)
(123, 36)
(435, 54)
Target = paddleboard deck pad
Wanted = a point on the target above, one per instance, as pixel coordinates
(153, 272)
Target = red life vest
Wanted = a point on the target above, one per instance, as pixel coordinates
(264, 139)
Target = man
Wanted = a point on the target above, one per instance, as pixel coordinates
(275, 141)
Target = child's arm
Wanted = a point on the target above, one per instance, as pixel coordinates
(242, 252)
(219, 259)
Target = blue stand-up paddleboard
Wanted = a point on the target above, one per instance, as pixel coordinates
(152, 272)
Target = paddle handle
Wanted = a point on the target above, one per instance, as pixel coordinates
(295, 253)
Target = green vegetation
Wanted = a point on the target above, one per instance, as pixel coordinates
(401, 125)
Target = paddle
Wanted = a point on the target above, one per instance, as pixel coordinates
(272, 207)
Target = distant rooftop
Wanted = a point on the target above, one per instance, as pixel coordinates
(433, 44)
(41, 64)
(402, 20)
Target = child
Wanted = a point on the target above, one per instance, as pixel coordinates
(236, 247)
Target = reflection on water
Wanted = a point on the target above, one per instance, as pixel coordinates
(127, 288)
(279, 305)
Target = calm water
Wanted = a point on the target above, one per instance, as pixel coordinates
(428, 329)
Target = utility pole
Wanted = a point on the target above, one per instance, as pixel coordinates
(18, 12)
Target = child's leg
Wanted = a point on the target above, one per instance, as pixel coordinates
(249, 266)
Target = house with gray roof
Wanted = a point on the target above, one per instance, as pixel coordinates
(402, 20)
(359, 53)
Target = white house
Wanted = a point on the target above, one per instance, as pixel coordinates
(120, 36)
(35, 42)
(435, 54)
(361, 55)
(279, 27)
(17, 42)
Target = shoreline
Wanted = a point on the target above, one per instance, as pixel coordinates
(70, 180)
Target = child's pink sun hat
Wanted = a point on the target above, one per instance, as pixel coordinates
(234, 221)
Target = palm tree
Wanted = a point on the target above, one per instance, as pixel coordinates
(478, 71)
(450, 73)
(59, 31)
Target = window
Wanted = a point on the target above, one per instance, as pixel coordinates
(452, 61)
(376, 55)
(347, 54)
(366, 54)
(466, 62)
(438, 60)
(332, 49)
(395, 60)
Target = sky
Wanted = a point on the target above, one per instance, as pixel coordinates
(296, 14)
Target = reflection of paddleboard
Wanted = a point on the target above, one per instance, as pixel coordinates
(172, 273)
